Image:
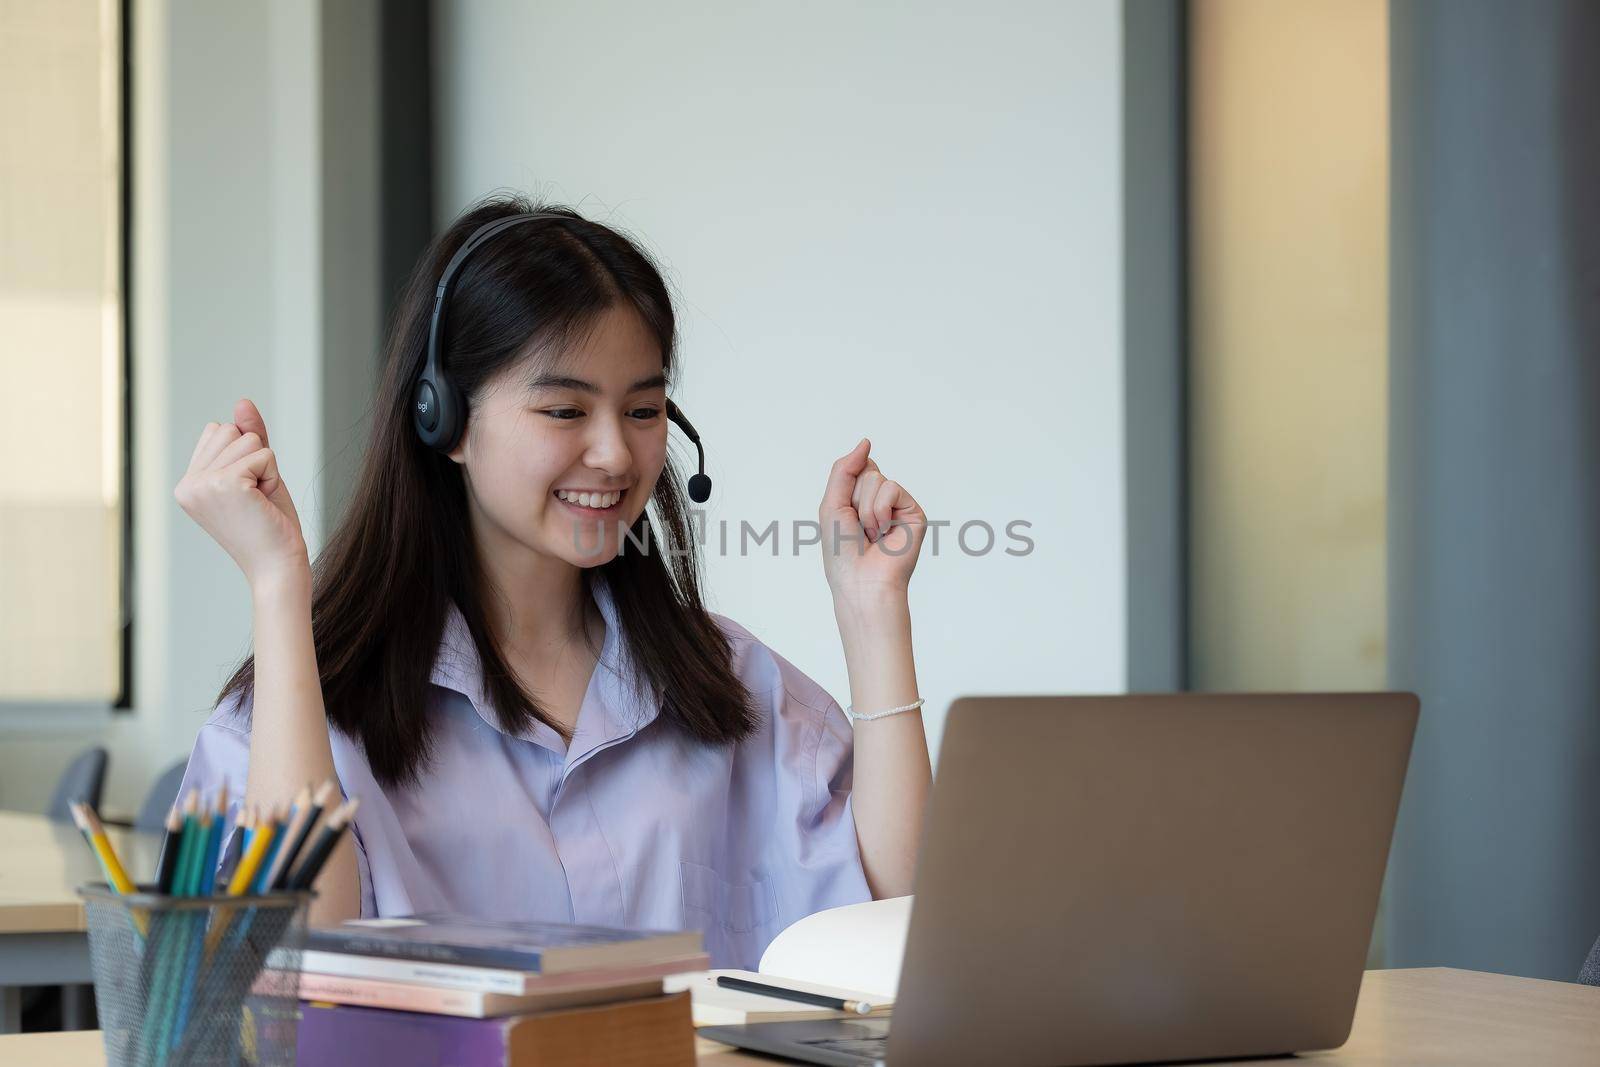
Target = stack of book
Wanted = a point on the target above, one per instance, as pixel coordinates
(433, 989)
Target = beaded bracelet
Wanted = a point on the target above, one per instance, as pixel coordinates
(854, 717)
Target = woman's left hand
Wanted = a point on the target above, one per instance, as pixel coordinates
(872, 529)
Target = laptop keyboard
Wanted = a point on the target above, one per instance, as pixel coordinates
(870, 1047)
(867, 1041)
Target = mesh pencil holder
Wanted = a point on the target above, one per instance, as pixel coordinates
(185, 980)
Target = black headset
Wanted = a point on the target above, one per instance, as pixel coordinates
(440, 412)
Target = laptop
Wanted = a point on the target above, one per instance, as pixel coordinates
(1126, 879)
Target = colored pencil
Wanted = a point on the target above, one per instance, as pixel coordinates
(171, 947)
(306, 874)
(205, 826)
(284, 848)
(208, 860)
(191, 842)
(167, 866)
(206, 879)
(319, 803)
(179, 978)
(232, 849)
(186, 847)
(184, 979)
(89, 823)
(251, 860)
(282, 853)
(278, 820)
(95, 834)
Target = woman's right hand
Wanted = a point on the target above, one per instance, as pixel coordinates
(233, 490)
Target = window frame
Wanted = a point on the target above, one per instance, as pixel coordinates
(52, 716)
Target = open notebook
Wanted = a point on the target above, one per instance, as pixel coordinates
(851, 952)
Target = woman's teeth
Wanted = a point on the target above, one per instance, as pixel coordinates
(589, 500)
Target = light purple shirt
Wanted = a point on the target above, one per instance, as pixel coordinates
(632, 825)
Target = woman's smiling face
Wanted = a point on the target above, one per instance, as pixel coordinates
(561, 459)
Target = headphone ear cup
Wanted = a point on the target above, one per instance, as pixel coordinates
(452, 415)
(438, 413)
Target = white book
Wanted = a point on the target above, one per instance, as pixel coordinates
(461, 976)
(852, 953)
(858, 946)
(436, 1000)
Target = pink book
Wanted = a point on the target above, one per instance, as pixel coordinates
(435, 1000)
(540, 992)
(473, 979)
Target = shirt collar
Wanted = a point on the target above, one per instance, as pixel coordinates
(615, 705)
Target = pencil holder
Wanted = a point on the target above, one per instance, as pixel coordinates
(180, 980)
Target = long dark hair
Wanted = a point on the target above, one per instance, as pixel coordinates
(403, 549)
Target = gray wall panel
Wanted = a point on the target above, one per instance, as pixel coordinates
(1495, 482)
(1153, 324)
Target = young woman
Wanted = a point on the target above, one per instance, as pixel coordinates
(503, 652)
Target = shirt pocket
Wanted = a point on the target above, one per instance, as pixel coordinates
(738, 918)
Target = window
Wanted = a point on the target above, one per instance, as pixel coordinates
(64, 441)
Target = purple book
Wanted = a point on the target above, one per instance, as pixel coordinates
(658, 1031)
(347, 1036)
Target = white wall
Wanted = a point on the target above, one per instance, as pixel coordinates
(900, 222)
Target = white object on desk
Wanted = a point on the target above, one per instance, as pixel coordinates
(858, 946)
(716, 1006)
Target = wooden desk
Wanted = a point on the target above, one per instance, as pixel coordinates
(42, 936)
(1423, 1018)
(82, 1048)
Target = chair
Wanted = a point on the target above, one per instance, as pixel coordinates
(84, 779)
(1590, 975)
(152, 816)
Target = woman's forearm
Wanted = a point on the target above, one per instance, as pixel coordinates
(289, 745)
(892, 774)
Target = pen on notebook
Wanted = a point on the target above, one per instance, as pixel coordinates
(319, 803)
(295, 831)
(171, 845)
(318, 853)
(857, 1007)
